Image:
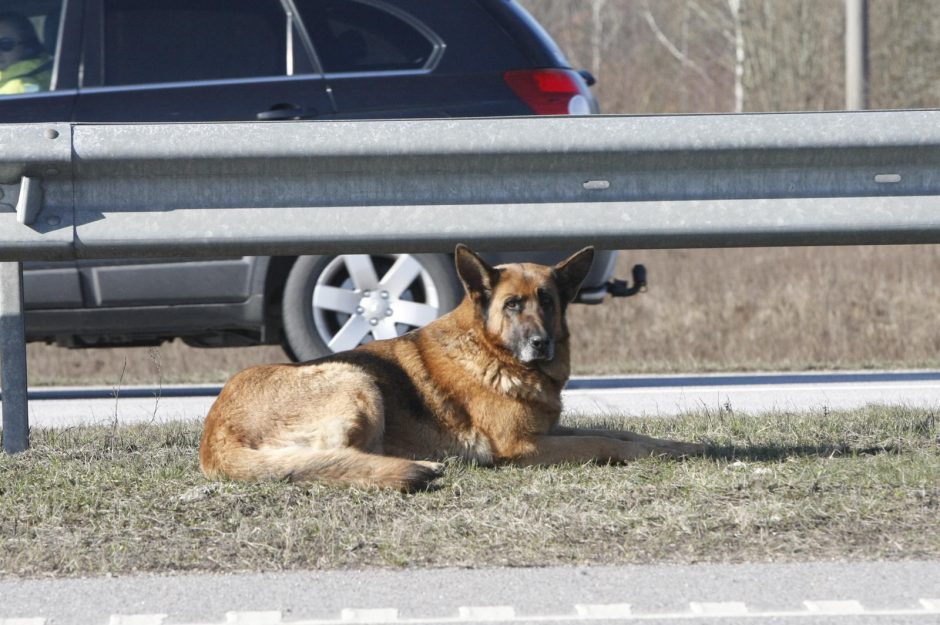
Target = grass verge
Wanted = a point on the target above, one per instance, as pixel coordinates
(780, 486)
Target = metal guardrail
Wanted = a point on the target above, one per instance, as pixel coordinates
(72, 191)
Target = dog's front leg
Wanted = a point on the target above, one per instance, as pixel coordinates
(549, 449)
(669, 447)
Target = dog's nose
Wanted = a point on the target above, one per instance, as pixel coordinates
(537, 347)
(538, 342)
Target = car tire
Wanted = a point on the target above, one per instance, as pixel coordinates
(335, 303)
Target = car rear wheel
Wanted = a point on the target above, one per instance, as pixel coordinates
(335, 303)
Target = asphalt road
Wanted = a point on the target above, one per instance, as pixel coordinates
(621, 395)
(824, 592)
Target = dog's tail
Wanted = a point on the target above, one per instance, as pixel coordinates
(346, 466)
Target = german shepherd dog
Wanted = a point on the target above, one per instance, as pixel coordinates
(481, 383)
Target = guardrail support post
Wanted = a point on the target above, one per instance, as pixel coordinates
(13, 359)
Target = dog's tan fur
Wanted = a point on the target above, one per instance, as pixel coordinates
(481, 383)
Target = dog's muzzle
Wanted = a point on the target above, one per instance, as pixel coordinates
(537, 348)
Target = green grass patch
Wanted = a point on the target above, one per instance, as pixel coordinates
(856, 485)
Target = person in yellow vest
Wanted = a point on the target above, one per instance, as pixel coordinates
(24, 65)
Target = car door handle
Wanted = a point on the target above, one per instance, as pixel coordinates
(285, 110)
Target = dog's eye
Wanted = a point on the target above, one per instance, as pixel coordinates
(545, 300)
(514, 304)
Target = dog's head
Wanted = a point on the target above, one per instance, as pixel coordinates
(522, 306)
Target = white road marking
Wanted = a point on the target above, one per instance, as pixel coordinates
(603, 610)
(486, 613)
(137, 619)
(834, 607)
(698, 610)
(931, 605)
(268, 617)
(380, 615)
(724, 608)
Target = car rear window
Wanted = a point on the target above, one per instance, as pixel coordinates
(193, 40)
(364, 36)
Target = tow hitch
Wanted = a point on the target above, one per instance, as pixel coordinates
(621, 288)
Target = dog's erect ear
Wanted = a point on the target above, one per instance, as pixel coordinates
(478, 278)
(572, 271)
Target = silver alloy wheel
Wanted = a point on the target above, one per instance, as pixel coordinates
(358, 298)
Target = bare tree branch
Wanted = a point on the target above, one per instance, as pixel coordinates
(717, 20)
(671, 47)
(735, 7)
(597, 34)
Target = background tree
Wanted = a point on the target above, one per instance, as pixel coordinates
(684, 56)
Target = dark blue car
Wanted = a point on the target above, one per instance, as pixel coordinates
(235, 60)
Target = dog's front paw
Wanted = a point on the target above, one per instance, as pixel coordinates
(422, 474)
(436, 467)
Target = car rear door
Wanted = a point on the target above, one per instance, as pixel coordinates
(181, 61)
(412, 58)
(196, 60)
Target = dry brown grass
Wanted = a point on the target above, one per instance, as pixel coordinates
(770, 308)
(859, 485)
(706, 310)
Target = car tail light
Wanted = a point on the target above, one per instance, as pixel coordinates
(551, 91)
